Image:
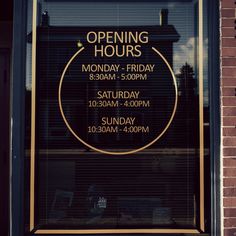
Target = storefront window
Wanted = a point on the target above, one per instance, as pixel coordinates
(117, 117)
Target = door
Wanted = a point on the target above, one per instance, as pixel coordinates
(117, 118)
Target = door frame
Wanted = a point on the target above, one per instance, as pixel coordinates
(18, 118)
(5, 141)
(215, 114)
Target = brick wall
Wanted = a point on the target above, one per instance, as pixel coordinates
(228, 101)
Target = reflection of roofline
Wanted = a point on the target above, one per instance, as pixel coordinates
(72, 33)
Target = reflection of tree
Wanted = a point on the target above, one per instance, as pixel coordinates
(186, 82)
(187, 105)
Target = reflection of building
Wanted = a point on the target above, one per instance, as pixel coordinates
(56, 45)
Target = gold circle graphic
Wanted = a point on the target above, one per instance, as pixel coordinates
(122, 152)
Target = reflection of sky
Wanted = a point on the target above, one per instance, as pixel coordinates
(91, 14)
(181, 15)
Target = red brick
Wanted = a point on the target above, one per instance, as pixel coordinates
(229, 111)
(229, 71)
(228, 22)
(229, 61)
(229, 172)
(229, 212)
(228, 52)
(231, 162)
(228, 13)
(229, 101)
(229, 92)
(229, 81)
(228, 32)
(228, 4)
(229, 42)
(229, 151)
(229, 182)
(229, 202)
(230, 192)
(229, 131)
(229, 141)
(230, 222)
(229, 232)
(229, 121)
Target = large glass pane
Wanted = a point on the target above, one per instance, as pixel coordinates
(116, 116)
